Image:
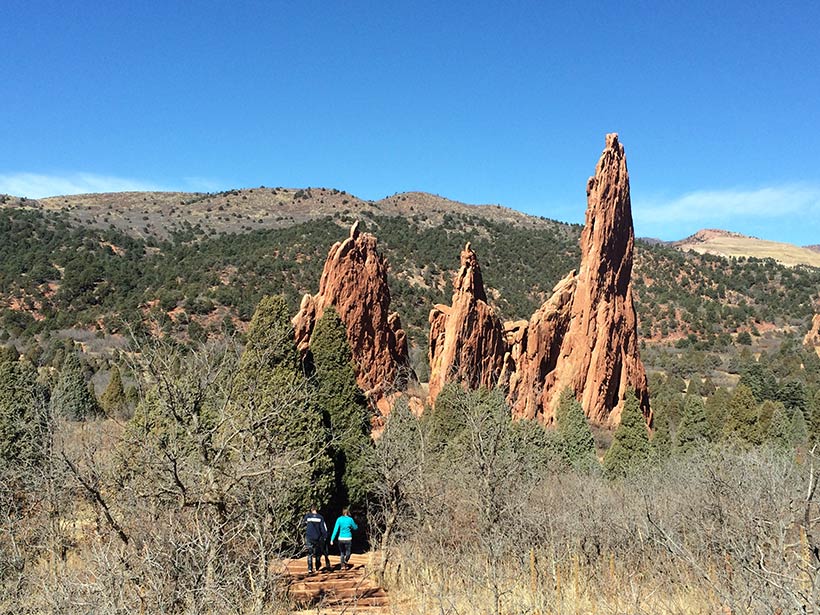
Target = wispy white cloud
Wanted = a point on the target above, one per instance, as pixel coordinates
(36, 185)
(786, 212)
(718, 206)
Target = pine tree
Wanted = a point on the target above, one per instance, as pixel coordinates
(113, 398)
(630, 450)
(742, 415)
(273, 390)
(71, 397)
(578, 443)
(693, 430)
(341, 398)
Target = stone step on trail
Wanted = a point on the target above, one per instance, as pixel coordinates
(337, 591)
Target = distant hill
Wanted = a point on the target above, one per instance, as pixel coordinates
(197, 264)
(159, 215)
(725, 243)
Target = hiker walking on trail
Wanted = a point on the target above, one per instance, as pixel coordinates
(315, 536)
(344, 528)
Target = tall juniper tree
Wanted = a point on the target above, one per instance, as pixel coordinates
(576, 437)
(23, 415)
(274, 389)
(345, 406)
(72, 397)
(742, 416)
(630, 450)
(113, 398)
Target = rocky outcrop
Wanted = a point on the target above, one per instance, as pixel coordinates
(599, 357)
(584, 337)
(813, 336)
(466, 337)
(534, 351)
(354, 281)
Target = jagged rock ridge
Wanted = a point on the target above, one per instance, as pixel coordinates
(354, 281)
(584, 337)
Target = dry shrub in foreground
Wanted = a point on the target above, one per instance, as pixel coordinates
(481, 529)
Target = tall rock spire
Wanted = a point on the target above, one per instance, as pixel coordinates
(354, 280)
(466, 338)
(599, 357)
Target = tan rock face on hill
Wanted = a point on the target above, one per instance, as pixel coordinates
(813, 336)
(354, 281)
(466, 338)
(584, 337)
(599, 357)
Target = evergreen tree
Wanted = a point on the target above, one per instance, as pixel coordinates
(717, 408)
(23, 415)
(661, 441)
(72, 398)
(693, 430)
(760, 379)
(707, 387)
(273, 389)
(113, 398)
(741, 418)
(799, 429)
(765, 414)
(814, 423)
(630, 448)
(578, 443)
(780, 430)
(668, 404)
(446, 421)
(793, 395)
(341, 398)
(9, 354)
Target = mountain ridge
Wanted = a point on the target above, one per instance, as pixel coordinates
(160, 214)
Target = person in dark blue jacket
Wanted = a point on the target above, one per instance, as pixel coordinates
(315, 536)
(344, 528)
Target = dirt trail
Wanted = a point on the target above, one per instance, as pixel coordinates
(352, 591)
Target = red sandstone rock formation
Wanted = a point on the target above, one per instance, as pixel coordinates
(813, 336)
(599, 357)
(584, 337)
(354, 281)
(535, 347)
(466, 338)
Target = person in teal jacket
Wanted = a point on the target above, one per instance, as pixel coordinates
(344, 528)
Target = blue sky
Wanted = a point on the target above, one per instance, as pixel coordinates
(717, 103)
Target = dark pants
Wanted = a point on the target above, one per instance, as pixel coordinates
(314, 550)
(326, 553)
(344, 550)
